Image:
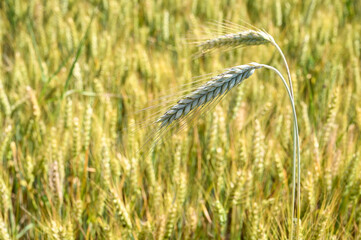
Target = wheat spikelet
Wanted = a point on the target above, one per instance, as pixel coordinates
(235, 194)
(157, 197)
(316, 154)
(134, 175)
(54, 182)
(100, 203)
(350, 174)
(258, 149)
(76, 140)
(278, 13)
(29, 168)
(310, 191)
(4, 233)
(237, 103)
(121, 210)
(160, 228)
(321, 228)
(266, 108)
(213, 133)
(222, 129)
(87, 126)
(243, 159)
(113, 126)
(106, 174)
(5, 198)
(114, 164)
(34, 102)
(220, 215)
(243, 38)
(254, 222)
(287, 126)
(280, 170)
(305, 118)
(124, 164)
(176, 164)
(191, 222)
(299, 235)
(171, 221)
(5, 140)
(262, 235)
(146, 231)
(328, 179)
(4, 101)
(57, 230)
(248, 188)
(220, 165)
(331, 116)
(106, 231)
(181, 189)
(212, 89)
(150, 172)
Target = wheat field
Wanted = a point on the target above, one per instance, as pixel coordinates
(80, 159)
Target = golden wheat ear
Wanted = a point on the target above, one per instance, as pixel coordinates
(227, 36)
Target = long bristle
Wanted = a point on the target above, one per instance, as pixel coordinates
(217, 86)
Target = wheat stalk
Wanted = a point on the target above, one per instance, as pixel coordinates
(216, 87)
(257, 37)
(219, 86)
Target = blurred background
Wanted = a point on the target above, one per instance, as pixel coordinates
(74, 73)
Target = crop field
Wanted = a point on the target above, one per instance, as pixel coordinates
(97, 140)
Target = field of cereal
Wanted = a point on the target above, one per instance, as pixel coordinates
(75, 162)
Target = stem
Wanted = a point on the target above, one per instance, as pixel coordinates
(294, 155)
(229, 224)
(287, 69)
(296, 149)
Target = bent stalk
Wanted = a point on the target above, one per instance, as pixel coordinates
(294, 155)
(296, 151)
